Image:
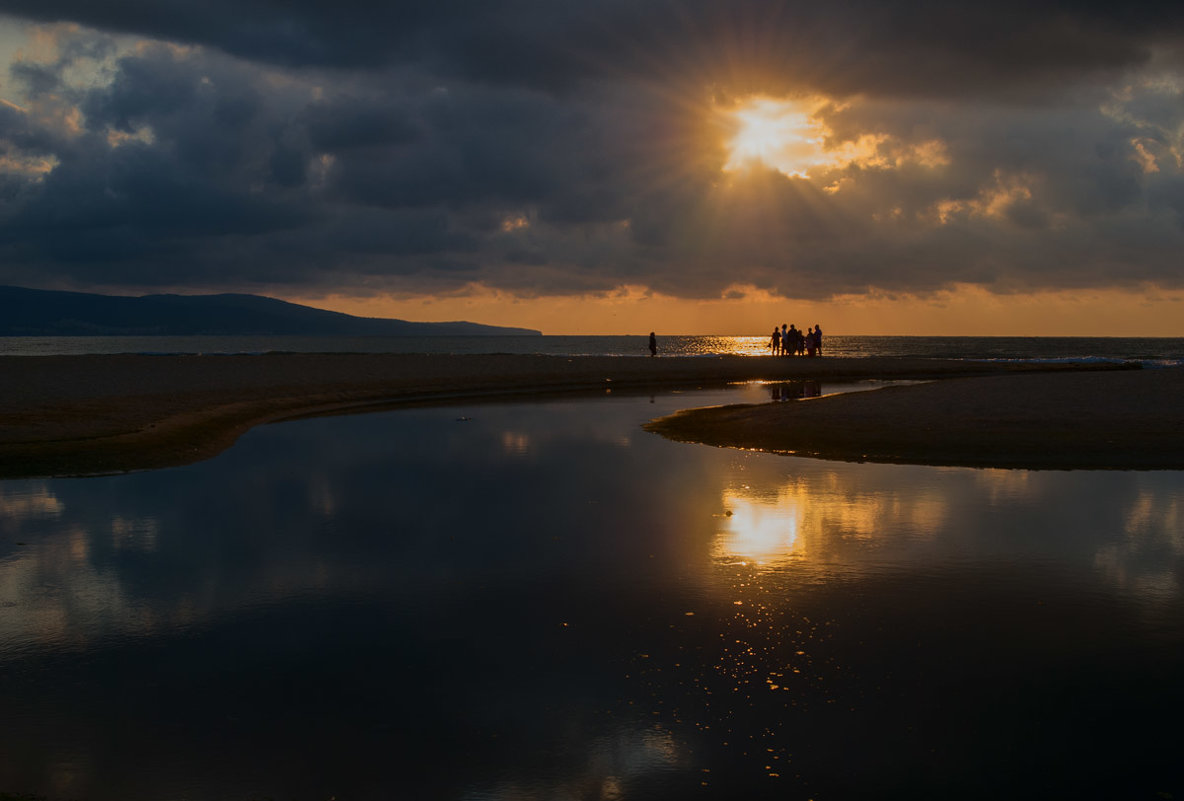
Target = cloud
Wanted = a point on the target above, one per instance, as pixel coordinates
(540, 148)
(845, 46)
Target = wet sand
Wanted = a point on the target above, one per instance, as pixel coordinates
(1129, 420)
(80, 415)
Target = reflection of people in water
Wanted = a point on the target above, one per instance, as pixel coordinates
(653, 344)
(793, 390)
(779, 392)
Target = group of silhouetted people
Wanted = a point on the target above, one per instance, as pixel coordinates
(792, 342)
(786, 341)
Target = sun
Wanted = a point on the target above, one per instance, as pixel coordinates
(782, 134)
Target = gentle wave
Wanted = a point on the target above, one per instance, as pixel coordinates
(1146, 363)
(1151, 352)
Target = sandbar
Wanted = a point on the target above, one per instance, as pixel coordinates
(85, 415)
(1123, 420)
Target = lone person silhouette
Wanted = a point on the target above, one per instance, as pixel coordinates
(653, 344)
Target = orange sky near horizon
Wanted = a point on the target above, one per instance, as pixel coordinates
(964, 311)
(788, 136)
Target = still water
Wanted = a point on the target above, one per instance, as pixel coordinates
(543, 601)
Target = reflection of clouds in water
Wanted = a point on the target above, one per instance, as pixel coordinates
(810, 515)
(1143, 563)
(322, 496)
(58, 591)
(515, 443)
(52, 594)
(66, 579)
(840, 506)
(1004, 486)
(52, 587)
(135, 533)
(521, 443)
(611, 764)
(1152, 515)
(21, 502)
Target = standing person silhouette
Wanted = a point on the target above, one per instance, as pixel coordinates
(818, 338)
(775, 342)
(653, 344)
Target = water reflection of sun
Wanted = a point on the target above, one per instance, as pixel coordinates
(824, 518)
(758, 530)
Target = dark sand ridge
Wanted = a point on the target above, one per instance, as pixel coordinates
(76, 415)
(1101, 420)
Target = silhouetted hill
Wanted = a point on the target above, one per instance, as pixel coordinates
(36, 312)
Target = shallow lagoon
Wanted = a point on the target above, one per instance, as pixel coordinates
(543, 601)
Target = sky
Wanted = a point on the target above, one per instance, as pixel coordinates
(608, 166)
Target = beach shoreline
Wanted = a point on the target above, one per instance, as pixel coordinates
(86, 415)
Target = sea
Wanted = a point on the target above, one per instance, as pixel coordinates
(1149, 351)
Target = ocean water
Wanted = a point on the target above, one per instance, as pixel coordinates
(498, 602)
(1152, 352)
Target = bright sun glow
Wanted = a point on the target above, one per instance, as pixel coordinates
(759, 529)
(785, 135)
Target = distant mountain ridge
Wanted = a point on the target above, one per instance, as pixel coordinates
(40, 312)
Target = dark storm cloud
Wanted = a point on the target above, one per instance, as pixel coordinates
(462, 148)
(561, 147)
(849, 45)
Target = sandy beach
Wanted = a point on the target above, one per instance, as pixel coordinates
(80, 415)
